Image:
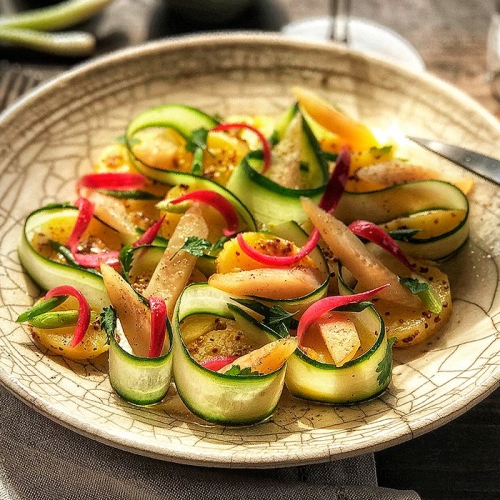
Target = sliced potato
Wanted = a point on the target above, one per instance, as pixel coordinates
(57, 340)
(224, 338)
(415, 325)
(232, 258)
(162, 148)
(266, 359)
(223, 154)
(114, 158)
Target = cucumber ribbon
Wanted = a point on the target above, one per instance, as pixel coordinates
(329, 201)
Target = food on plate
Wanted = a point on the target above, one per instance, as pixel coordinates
(245, 256)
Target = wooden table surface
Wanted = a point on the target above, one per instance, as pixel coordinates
(460, 460)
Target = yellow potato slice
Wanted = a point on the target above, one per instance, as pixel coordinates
(57, 340)
(232, 258)
(266, 359)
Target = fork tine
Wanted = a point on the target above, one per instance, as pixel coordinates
(13, 84)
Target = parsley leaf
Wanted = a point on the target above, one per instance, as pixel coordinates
(195, 246)
(108, 321)
(425, 292)
(383, 150)
(126, 257)
(236, 370)
(217, 246)
(414, 285)
(384, 368)
(274, 317)
(329, 156)
(403, 234)
(274, 139)
(198, 139)
(123, 140)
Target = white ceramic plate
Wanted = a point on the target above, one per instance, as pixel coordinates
(53, 135)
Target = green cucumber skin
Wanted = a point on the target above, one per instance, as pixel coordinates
(262, 196)
(355, 381)
(173, 178)
(48, 274)
(225, 399)
(183, 119)
(140, 381)
(408, 199)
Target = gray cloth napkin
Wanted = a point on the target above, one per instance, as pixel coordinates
(40, 459)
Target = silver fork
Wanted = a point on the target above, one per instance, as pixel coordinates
(14, 82)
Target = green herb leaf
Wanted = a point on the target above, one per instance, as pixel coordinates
(198, 139)
(132, 194)
(329, 156)
(403, 234)
(384, 368)
(358, 307)
(256, 154)
(219, 244)
(132, 141)
(195, 246)
(126, 257)
(108, 321)
(236, 370)
(383, 150)
(274, 139)
(414, 285)
(425, 292)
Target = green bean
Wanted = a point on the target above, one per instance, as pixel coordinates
(70, 43)
(55, 17)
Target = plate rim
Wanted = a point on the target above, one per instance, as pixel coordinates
(480, 392)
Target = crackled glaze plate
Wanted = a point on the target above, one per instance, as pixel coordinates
(53, 135)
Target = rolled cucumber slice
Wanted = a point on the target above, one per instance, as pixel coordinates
(140, 381)
(365, 377)
(401, 205)
(271, 202)
(217, 397)
(48, 273)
